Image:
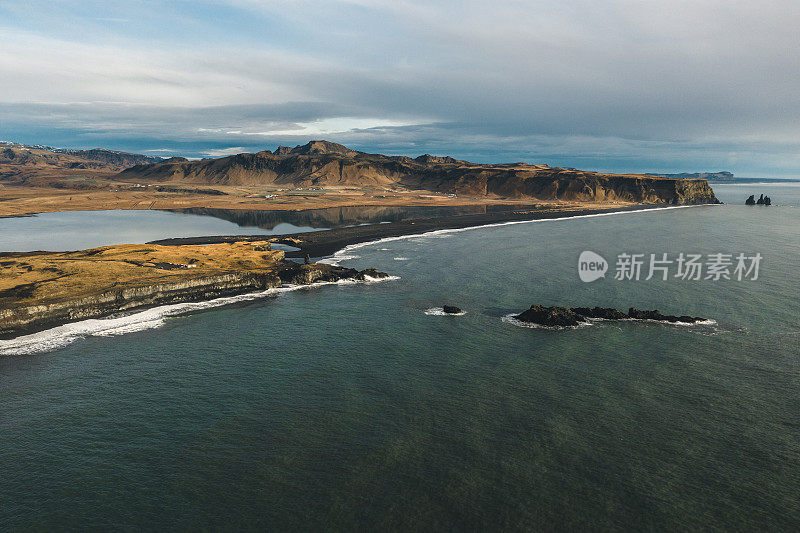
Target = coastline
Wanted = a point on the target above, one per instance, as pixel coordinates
(333, 244)
(44, 290)
(324, 243)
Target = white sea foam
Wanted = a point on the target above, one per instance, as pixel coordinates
(513, 320)
(346, 253)
(439, 311)
(61, 336)
(400, 258)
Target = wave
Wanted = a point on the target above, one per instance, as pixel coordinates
(346, 253)
(60, 336)
(439, 311)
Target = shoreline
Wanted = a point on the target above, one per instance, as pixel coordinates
(44, 290)
(325, 243)
(63, 334)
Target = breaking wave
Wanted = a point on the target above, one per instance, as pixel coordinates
(439, 311)
(346, 253)
(60, 336)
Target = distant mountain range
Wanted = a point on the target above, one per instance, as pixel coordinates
(326, 164)
(112, 158)
(722, 175)
(45, 165)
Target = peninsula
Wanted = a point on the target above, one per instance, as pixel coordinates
(40, 290)
(318, 174)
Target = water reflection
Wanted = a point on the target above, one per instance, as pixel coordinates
(333, 217)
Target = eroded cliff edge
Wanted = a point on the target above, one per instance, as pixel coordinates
(40, 290)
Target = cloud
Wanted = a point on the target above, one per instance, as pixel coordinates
(617, 83)
(222, 152)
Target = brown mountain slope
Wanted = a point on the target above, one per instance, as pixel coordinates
(36, 165)
(113, 158)
(326, 164)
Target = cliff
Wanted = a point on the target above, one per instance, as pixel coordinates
(331, 165)
(39, 290)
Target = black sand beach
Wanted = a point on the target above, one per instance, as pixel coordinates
(324, 243)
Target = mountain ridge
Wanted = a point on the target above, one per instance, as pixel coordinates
(327, 164)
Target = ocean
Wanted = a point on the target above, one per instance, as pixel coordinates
(347, 406)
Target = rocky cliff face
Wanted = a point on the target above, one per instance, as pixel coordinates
(39, 290)
(324, 164)
(23, 319)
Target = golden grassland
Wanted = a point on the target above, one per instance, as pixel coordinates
(25, 199)
(42, 277)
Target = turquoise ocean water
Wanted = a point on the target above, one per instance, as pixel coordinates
(348, 407)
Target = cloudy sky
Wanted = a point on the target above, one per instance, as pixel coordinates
(619, 85)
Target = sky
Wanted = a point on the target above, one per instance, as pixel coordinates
(611, 85)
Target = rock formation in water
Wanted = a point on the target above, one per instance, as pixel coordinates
(762, 200)
(565, 317)
(451, 309)
(327, 164)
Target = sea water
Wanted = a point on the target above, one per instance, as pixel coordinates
(355, 407)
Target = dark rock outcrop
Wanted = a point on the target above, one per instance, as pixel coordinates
(762, 200)
(552, 317)
(565, 317)
(637, 314)
(606, 313)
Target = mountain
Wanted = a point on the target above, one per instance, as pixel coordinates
(722, 175)
(112, 157)
(23, 163)
(332, 165)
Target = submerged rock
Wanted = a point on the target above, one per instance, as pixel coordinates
(451, 309)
